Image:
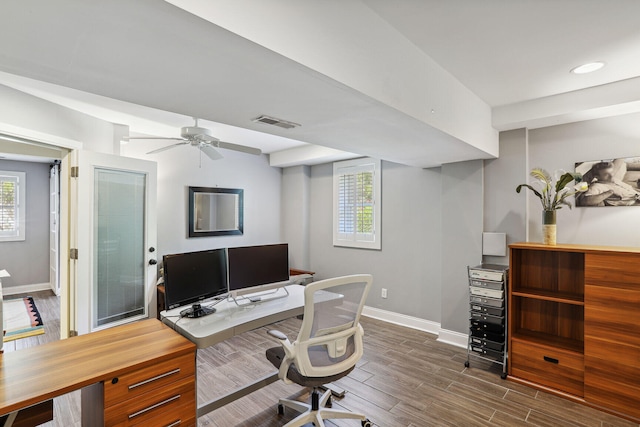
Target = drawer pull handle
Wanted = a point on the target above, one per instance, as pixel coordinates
(550, 360)
(150, 380)
(175, 423)
(152, 407)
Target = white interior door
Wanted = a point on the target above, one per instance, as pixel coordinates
(115, 240)
(54, 228)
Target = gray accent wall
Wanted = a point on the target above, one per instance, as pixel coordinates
(296, 193)
(559, 147)
(28, 261)
(409, 264)
(462, 216)
(504, 209)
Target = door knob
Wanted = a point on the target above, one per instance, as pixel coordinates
(152, 262)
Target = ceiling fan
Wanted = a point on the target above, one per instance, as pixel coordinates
(200, 137)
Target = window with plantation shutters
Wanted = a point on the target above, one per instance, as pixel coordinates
(12, 191)
(356, 203)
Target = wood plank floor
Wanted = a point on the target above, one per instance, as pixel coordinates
(406, 378)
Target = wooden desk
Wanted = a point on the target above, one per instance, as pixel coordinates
(137, 373)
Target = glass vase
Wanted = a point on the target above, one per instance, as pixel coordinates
(549, 227)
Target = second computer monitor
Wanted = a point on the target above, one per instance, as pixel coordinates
(254, 266)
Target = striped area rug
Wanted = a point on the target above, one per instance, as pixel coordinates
(21, 319)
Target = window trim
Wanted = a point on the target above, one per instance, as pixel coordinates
(355, 166)
(21, 196)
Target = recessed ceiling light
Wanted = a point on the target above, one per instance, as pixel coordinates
(588, 68)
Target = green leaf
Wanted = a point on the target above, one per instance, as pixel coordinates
(542, 175)
(564, 180)
(536, 192)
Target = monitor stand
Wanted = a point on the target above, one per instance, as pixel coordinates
(197, 310)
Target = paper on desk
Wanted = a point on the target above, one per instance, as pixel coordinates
(4, 273)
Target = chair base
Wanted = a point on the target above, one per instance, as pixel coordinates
(309, 414)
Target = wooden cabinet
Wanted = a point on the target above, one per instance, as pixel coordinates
(574, 323)
(612, 331)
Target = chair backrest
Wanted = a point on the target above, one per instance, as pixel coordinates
(330, 338)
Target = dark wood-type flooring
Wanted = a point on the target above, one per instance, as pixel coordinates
(406, 378)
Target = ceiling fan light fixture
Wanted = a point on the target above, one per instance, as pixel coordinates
(268, 120)
(588, 67)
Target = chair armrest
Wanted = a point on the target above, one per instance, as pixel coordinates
(277, 334)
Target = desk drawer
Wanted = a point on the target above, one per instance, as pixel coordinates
(161, 407)
(552, 367)
(135, 383)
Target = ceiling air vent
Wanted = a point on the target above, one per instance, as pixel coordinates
(275, 122)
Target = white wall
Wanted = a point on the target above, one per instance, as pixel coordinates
(559, 147)
(180, 168)
(29, 112)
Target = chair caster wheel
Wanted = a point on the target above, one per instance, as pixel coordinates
(280, 409)
(466, 364)
(367, 423)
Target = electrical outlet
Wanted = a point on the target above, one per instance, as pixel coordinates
(384, 292)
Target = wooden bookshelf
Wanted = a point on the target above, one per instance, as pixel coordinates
(574, 323)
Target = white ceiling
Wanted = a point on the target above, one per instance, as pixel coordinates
(510, 51)
(152, 66)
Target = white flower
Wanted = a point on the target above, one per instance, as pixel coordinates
(580, 187)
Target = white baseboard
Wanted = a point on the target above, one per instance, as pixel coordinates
(402, 320)
(25, 289)
(457, 339)
(448, 337)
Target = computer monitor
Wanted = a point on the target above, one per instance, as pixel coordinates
(194, 276)
(258, 266)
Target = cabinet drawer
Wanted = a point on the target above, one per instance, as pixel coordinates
(485, 326)
(183, 416)
(483, 292)
(484, 343)
(135, 383)
(163, 406)
(494, 311)
(491, 336)
(552, 367)
(486, 352)
(486, 284)
(486, 318)
(490, 302)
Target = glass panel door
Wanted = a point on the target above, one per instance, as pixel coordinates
(119, 256)
(116, 271)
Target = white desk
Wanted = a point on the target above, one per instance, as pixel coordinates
(230, 320)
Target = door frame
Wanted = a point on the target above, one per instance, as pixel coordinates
(66, 147)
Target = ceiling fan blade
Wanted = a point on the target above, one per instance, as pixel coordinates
(129, 138)
(236, 147)
(168, 147)
(211, 152)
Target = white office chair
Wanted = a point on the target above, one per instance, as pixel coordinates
(328, 346)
